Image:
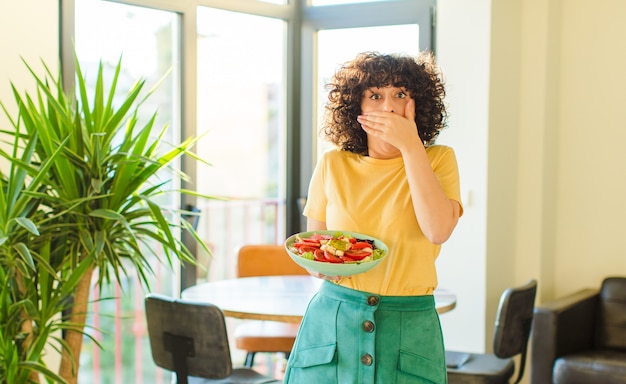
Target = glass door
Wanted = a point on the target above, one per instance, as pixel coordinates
(146, 41)
(241, 112)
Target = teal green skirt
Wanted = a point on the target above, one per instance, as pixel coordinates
(349, 336)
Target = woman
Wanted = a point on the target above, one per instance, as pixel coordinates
(386, 179)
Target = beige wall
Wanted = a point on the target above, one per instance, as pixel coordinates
(554, 134)
(590, 239)
(572, 95)
(535, 90)
(29, 29)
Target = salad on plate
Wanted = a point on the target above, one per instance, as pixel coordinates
(336, 248)
(336, 253)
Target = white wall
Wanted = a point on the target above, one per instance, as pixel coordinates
(463, 46)
(480, 55)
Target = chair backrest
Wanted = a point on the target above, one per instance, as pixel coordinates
(611, 324)
(266, 260)
(513, 322)
(515, 314)
(188, 338)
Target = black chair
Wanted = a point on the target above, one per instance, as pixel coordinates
(191, 340)
(512, 331)
(581, 337)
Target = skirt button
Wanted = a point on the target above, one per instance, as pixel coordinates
(368, 326)
(372, 300)
(367, 359)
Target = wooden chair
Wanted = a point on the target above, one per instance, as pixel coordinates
(190, 339)
(255, 336)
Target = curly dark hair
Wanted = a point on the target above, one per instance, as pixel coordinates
(419, 75)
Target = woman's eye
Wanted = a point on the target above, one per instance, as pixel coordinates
(375, 97)
(402, 95)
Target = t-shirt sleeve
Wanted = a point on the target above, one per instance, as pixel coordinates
(316, 201)
(447, 172)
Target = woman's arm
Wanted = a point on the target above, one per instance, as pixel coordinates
(315, 225)
(436, 214)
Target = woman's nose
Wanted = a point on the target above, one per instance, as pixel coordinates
(388, 106)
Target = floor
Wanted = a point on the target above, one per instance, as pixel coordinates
(271, 365)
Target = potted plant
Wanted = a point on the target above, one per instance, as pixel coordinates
(97, 204)
(26, 321)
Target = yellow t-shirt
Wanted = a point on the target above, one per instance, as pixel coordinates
(358, 193)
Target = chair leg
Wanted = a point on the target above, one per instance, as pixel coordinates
(249, 360)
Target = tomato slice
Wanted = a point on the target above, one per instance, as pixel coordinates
(318, 255)
(357, 254)
(361, 245)
(308, 242)
(307, 248)
(332, 258)
(301, 245)
(347, 259)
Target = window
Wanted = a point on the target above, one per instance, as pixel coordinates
(241, 109)
(146, 41)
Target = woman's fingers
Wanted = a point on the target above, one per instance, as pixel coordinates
(325, 277)
(375, 122)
